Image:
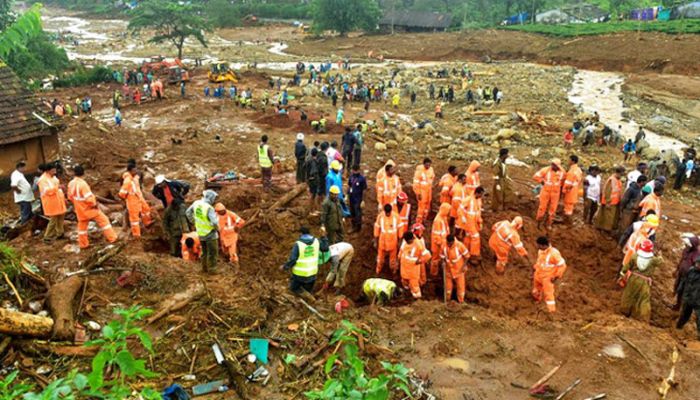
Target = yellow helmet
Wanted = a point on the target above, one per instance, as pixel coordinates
(335, 189)
(652, 220)
(335, 165)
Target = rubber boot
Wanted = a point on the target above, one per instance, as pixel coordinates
(307, 296)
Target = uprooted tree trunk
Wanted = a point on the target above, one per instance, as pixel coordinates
(19, 323)
(61, 301)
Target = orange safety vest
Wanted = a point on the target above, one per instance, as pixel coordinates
(446, 183)
(411, 256)
(508, 235)
(83, 200)
(227, 226)
(458, 193)
(423, 180)
(404, 219)
(550, 263)
(573, 178)
(473, 182)
(469, 212)
(131, 189)
(196, 249)
(387, 190)
(455, 257)
(441, 229)
(53, 200)
(550, 179)
(615, 191)
(638, 236)
(386, 228)
(650, 202)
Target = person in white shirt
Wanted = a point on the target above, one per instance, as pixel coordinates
(22, 191)
(632, 176)
(591, 188)
(341, 255)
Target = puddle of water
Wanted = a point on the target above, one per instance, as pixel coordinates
(279, 48)
(601, 92)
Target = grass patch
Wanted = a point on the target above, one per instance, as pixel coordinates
(568, 30)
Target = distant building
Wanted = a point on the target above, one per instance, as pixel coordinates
(25, 132)
(414, 21)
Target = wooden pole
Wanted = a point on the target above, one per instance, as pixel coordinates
(24, 324)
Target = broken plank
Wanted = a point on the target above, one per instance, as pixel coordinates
(177, 302)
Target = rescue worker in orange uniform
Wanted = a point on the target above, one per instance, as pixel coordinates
(572, 181)
(645, 231)
(652, 201)
(386, 238)
(418, 230)
(388, 187)
(473, 179)
(135, 203)
(457, 194)
(446, 182)
(85, 205)
(404, 212)
(411, 255)
(504, 237)
(549, 267)
(438, 235)
(609, 211)
(53, 202)
(469, 222)
(229, 226)
(191, 247)
(381, 173)
(423, 180)
(551, 179)
(455, 255)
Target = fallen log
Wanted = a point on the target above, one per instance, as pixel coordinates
(287, 198)
(17, 323)
(491, 112)
(101, 256)
(41, 348)
(178, 301)
(60, 300)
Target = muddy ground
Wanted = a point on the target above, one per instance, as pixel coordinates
(473, 351)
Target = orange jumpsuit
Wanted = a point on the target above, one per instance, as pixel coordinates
(387, 190)
(386, 230)
(85, 205)
(635, 239)
(196, 251)
(228, 226)
(423, 188)
(504, 237)
(550, 265)
(412, 256)
(446, 183)
(455, 270)
(438, 236)
(135, 203)
(650, 202)
(457, 194)
(404, 219)
(53, 200)
(469, 220)
(572, 181)
(473, 180)
(551, 189)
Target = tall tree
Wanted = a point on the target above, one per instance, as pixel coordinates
(16, 35)
(173, 22)
(6, 15)
(344, 16)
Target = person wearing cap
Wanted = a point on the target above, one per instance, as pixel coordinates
(175, 225)
(549, 267)
(501, 181)
(86, 209)
(651, 185)
(332, 216)
(455, 256)
(335, 178)
(306, 255)
(136, 205)
(691, 297)
(570, 189)
(505, 236)
(591, 194)
(265, 160)
(53, 202)
(229, 226)
(347, 147)
(551, 179)
(191, 247)
(636, 278)
(691, 251)
(206, 223)
(644, 231)
(166, 190)
(300, 155)
(423, 180)
(611, 195)
(388, 186)
(473, 179)
(412, 255)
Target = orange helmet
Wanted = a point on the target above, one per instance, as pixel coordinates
(219, 207)
(402, 197)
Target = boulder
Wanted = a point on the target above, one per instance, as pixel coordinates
(379, 146)
(392, 144)
(407, 141)
(429, 129)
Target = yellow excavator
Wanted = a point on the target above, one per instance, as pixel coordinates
(221, 72)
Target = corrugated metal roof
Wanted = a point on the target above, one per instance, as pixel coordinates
(417, 19)
(17, 106)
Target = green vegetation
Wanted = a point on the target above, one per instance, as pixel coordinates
(567, 30)
(88, 6)
(85, 76)
(224, 14)
(172, 22)
(347, 375)
(344, 16)
(114, 368)
(9, 261)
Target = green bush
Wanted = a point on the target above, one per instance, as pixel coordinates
(224, 14)
(84, 76)
(568, 30)
(39, 59)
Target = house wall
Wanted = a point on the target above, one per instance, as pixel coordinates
(34, 151)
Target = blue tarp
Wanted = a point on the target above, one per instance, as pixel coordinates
(517, 19)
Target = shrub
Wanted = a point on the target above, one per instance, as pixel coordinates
(84, 76)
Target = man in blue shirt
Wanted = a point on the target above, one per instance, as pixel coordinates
(356, 189)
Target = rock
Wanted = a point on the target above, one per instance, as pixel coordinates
(392, 144)
(614, 351)
(429, 129)
(407, 141)
(379, 146)
(35, 306)
(93, 326)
